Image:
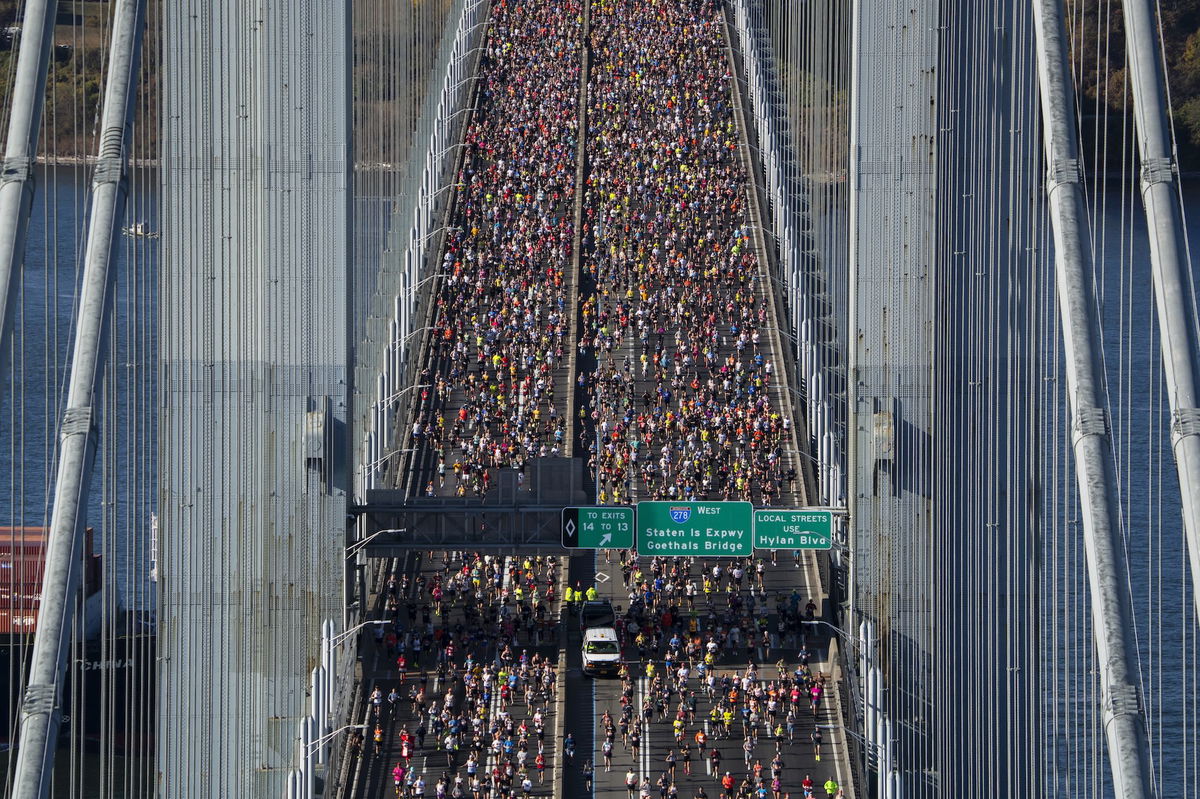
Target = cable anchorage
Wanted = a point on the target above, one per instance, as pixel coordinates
(76, 421)
(109, 169)
(1121, 699)
(17, 169)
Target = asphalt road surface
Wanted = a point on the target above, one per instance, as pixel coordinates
(481, 636)
(587, 699)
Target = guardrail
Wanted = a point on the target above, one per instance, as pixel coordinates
(402, 294)
(560, 684)
(798, 272)
(796, 264)
(769, 258)
(344, 767)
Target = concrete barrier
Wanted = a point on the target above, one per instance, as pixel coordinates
(560, 684)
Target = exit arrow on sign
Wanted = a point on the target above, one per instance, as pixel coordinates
(598, 527)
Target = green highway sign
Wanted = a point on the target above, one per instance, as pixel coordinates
(793, 528)
(600, 527)
(695, 528)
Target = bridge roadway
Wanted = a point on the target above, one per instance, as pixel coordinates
(582, 700)
(479, 629)
(676, 350)
(496, 374)
(683, 376)
(587, 699)
(625, 332)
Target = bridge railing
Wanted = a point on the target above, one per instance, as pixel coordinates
(396, 312)
(799, 267)
(394, 329)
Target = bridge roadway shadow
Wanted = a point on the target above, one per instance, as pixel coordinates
(513, 514)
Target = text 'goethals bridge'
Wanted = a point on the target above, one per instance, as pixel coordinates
(781, 333)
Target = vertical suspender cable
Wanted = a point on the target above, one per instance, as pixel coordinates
(1172, 279)
(16, 173)
(1122, 715)
(41, 706)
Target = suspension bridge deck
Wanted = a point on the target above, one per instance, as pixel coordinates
(644, 344)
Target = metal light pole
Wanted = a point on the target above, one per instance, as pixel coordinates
(357, 546)
(340, 638)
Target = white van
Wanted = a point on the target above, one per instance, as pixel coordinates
(601, 652)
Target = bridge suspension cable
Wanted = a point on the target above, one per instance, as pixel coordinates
(1099, 492)
(17, 184)
(41, 711)
(1174, 290)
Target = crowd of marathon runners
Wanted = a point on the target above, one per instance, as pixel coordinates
(488, 395)
(687, 622)
(675, 380)
(673, 313)
(677, 321)
(466, 714)
(716, 606)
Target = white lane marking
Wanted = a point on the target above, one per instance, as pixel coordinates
(596, 758)
(636, 722)
(490, 760)
(645, 750)
(833, 748)
(505, 578)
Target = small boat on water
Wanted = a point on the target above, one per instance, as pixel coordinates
(139, 230)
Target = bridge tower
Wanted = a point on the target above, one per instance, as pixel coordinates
(945, 369)
(256, 190)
